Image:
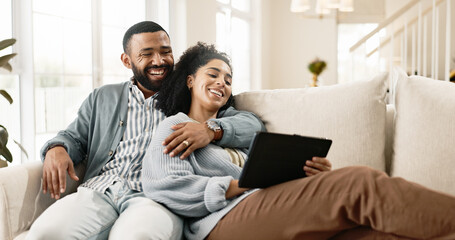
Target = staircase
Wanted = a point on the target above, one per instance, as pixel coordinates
(419, 38)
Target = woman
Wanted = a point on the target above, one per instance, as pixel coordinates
(203, 188)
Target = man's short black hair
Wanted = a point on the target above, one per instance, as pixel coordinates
(141, 27)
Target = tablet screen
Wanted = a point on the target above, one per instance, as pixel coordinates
(276, 158)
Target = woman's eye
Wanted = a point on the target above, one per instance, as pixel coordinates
(228, 83)
(212, 75)
(146, 54)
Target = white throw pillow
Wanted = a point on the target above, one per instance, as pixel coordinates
(424, 142)
(352, 115)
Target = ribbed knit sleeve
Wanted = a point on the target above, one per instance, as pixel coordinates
(193, 187)
(239, 127)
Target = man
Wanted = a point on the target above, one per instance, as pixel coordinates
(113, 128)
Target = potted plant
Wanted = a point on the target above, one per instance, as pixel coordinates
(5, 154)
(316, 67)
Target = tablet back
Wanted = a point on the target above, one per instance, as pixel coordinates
(276, 158)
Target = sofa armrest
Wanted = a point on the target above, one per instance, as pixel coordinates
(21, 198)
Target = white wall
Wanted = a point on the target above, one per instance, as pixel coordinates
(201, 21)
(290, 42)
(266, 40)
(452, 65)
(190, 22)
(391, 6)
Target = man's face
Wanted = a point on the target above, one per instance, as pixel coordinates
(150, 57)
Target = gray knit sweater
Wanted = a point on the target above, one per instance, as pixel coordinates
(194, 188)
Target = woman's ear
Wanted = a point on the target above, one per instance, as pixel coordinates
(126, 60)
(189, 81)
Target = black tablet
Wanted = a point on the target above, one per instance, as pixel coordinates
(276, 158)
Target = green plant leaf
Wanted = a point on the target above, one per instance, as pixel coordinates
(6, 154)
(4, 59)
(6, 43)
(4, 151)
(22, 148)
(3, 136)
(6, 95)
(3, 163)
(8, 67)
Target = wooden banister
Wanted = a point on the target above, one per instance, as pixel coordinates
(400, 30)
(384, 24)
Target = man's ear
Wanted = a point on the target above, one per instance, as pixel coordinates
(126, 60)
(189, 81)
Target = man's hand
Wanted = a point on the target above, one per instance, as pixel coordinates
(189, 136)
(56, 163)
(317, 165)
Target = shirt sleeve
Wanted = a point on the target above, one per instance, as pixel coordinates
(174, 183)
(239, 127)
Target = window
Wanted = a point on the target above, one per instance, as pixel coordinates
(71, 47)
(77, 46)
(233, 36)
(9, 81)
(114, 24)
(62, 63)
(348, 35)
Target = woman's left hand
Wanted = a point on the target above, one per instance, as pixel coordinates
(317, 165)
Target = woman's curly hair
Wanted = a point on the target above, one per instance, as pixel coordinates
(174, 95)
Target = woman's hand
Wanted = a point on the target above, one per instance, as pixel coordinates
(317, 165)
(234, 189)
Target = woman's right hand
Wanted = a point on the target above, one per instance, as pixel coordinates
(234, 189)
(317, 165)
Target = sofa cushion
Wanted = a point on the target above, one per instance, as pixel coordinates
(424, 141)
(353, 115)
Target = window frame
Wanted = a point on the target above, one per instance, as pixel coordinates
(23, 63)
(253, 17)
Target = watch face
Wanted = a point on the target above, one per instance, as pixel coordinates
(213, 125)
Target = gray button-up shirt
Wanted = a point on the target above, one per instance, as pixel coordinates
(143, 119)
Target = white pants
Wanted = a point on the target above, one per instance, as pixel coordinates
(119, 213)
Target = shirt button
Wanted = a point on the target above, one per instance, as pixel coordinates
(110, 153)
(148, 107)
(121, 123)
(146, 129)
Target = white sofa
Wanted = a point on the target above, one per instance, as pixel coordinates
(413, 138)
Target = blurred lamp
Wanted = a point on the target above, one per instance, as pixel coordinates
(300, 5)
(322, 6)
(346, 6)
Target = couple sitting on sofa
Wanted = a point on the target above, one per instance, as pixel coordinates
(203, 187)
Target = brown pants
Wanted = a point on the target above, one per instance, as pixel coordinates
(372, 204)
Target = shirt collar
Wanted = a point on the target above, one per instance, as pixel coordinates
(137, 93)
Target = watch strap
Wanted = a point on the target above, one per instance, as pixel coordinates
(212, 125)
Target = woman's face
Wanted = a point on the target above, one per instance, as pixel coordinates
(210, 86)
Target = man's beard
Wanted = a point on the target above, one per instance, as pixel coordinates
(141, 77)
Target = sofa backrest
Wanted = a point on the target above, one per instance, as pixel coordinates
(424, 133)
(353, 115)
(412, 138)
